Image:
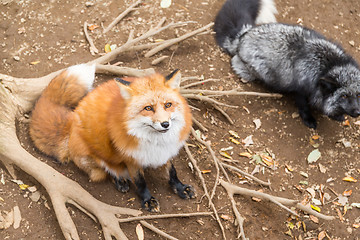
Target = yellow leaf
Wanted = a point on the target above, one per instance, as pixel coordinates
(356, 225)
(234, 134)
(107, 48)
(205, 171)
(314, 219)
(245, 154)
(34, 63)
(140, 232)
(346, 123)
(23, 186)
(234, 140)
(349, 179)
(225, 154)
(289, 168)
(316, 208)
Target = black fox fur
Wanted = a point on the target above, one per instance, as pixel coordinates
(289, 59)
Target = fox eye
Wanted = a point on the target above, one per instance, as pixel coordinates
(167, 105)
(148, 108)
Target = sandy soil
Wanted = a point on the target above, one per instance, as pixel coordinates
(50, 33)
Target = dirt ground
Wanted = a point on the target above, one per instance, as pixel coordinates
(39, 37)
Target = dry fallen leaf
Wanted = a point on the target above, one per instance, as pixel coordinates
(17, 217)
(234, 134)
(233, 140)
(225, 154)
(314, 219)
(347, 193)
(257, 123)
(315, 137)
(289, 168)
(349, 179)
(6, 219)
(322, 235)
(339, 215)
(245, 154)
(205, 171)
(322, 168)
(248, 141)
(140, 232)
(346, 123)
(356, 225)
(314, 156)
(227, 217)
(92, 27)
(34, 63)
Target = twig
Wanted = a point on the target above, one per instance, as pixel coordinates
(161, 216)
(197, 123)
(93, 49)
(159, 60)
(211, 204)
(233, 189)
(122, 15)
(156, 230)
(207, 99)
(223, 113)
(176, 40)
(247, 175)
(232, 92)
(116, 70)
(200, 82)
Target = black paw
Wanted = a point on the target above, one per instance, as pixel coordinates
(185, 191)
(122, 184)
(339, 118)
(151, 205)
(309, 121)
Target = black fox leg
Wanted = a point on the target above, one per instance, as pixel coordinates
(241, 69)
(304, 111)
(183, 190)
(121, 184)
(148, 202)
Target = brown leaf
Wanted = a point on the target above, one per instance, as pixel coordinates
(226, 217)
(91, 27)
(349, 179)
(245, 154)
(314, 219)
(347, 193)
(322, 235)
(339, 215)
(205, 171)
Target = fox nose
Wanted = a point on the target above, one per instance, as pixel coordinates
(165, 124)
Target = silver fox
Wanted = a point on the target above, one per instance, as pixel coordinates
(289, 59)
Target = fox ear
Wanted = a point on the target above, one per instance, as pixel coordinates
(125, 90)
(173, 79)
(328, 85)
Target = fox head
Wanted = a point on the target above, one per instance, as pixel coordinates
(154, 108)
(341, 91)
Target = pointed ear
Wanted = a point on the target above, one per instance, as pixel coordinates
(328, 85)
(173, 79)
(125, 90)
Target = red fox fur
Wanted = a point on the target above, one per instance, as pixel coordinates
(120, 127)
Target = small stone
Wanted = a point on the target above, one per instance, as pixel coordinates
(16, 58)
(17, 217)
(295, 115)
(352, 43)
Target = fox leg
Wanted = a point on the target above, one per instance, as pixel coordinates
(121, 184)
(148, 202)
(185, 191)
(304, 111)
(241, 69)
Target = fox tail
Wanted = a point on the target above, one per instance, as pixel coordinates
(236, 17)
(52, 116)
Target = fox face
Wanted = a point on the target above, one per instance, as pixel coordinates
(156, 116)
(342, 98)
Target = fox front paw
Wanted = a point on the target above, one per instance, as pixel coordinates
(339, 118)
(185, 191)
(151, 205)
(309, 120)
(122, 184)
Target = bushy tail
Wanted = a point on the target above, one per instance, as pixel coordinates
(52, 116)
(236, 17)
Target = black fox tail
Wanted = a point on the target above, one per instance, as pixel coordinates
(236, 17)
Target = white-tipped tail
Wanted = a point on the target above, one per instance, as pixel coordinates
(85, 74)
(267, 12)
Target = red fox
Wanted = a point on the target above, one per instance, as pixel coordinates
(119, 128)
